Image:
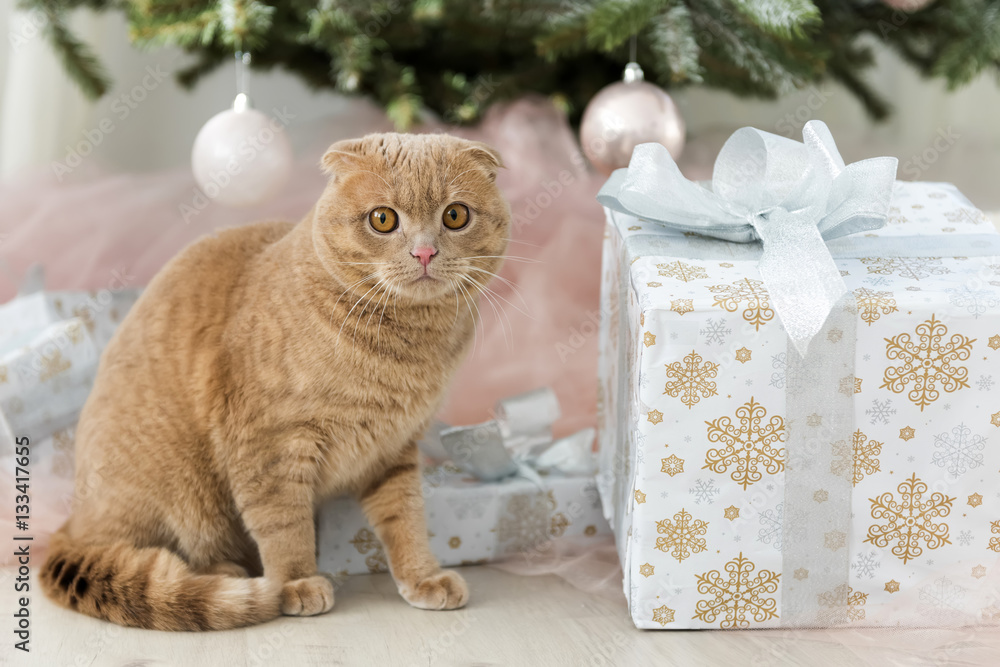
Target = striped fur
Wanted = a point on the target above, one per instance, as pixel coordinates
(266, 368)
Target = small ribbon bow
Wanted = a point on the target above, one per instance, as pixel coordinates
(518, 441)
(790, 196)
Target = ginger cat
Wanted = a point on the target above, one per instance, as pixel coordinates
(270, 366)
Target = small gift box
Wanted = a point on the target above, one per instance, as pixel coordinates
(798, 424)
(50, 343)
(506, 488)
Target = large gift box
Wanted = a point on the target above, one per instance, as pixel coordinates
(780, 452)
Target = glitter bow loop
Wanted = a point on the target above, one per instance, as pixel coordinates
(519, 441)
(790, 196)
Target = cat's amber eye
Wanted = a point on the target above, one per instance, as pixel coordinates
(456, 216)
(383, 219)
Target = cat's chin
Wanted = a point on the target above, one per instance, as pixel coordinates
(425, 289)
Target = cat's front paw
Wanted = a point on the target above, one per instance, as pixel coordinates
(443, 590)
(307, 597)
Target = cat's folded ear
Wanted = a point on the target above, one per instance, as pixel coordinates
(341, 154)
(486, 156)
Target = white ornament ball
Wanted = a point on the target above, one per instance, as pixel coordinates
(622, 116)
(241, 158)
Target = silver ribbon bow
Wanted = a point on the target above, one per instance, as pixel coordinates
(790, 196)
(517, 442)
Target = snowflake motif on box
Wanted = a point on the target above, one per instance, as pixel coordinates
(913, 268)
(994, 544)
(672, 465)
(927, 363)
(881, 412)
(995, 342)
(704, 492)
(974, 216)
(681, 271)
(965, 538)
(750, 445)
(715, 332)
(843, 604)
(960, 450)
(859, 459)
(646, 570)
(681, 306)
(850, 385)
(738, 598)
(690, 378)
(873, 305)
(866, 564)
(729, 297)
(524, 524)
(663, 615)
(648, 339)
(910, 520)
(942, 595)
(732, 512)
(985, 382)
(975, 302)
(743, 355)
(772, 520)
(683, 535)
(365, 541)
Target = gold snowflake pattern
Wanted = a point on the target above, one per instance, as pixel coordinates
(995, 419)
(978, 572)
(558, 524)
(691, 378)
(995, 541)
(683, 535)
(663, 615)
(749, 446)
(672, 465)
(906, 433)
(654, 416)
(910, 520)
(814, 420)
(821, 496)
(850, 385)
(873, 305)
(991, 613)
(738, 598)
(927, 363)
(653, 283)
(994, 342)
(648, 339)
(681, 306)
(75, 333)
(52, 365)
(892, 586)
(835, 335)
(975, 500)
(86, 314)
(682, 271)
(525, 522)
(646, 570)
(913, 268)
(640, 497)
(732, 512)
(368, 545)
(801, 574)
(455, 542)
(3, 374)
(729, 297)
(837, 611)
(860, 458)
(834, 540)
(743, 355)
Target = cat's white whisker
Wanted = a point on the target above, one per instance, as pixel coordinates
(508, 283)
(485, 289)
(512, 258)
(348, 316)
(497, 310)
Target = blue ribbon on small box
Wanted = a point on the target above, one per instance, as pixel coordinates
(517, 442)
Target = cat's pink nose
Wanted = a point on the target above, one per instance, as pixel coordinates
(424, 254)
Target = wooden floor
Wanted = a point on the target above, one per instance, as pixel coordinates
(511, 620)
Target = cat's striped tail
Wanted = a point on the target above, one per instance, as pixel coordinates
(151, 588)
